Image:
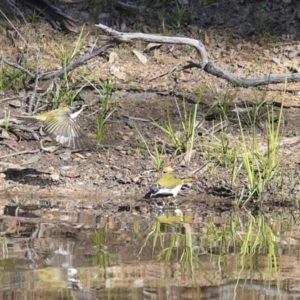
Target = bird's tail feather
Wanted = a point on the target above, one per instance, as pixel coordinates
(188, 179)
(27, 119)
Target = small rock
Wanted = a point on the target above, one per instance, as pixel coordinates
(118, 72)
(65, 155)
(276, 61)
(55, 176)
(293, 54)
(4, 134)
(22, 93)
(142, 58)
(89, 97)
(266, 52)
(15, 103)
(115, 168)
(33, 159)
(187, 158)
(78, 159)
(69, 171)
(144, 182)
(113, 56)
(121, 179)
(92, 41)
(167, 169)
(50, 149)
(136, 179)
(152, 46)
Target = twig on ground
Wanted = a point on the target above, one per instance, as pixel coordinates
(9, 98)
(203, 169)
(30, 130)
(19, 153)
(166, 73)
(9, 146)
(50, 149)
(135, 118)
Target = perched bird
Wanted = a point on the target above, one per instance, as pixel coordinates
(168, 185)
(62, 125)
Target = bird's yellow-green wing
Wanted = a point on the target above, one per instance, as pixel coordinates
(43, 116)
(40, 117)
(67, 131)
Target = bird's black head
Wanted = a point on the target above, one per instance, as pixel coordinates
(154, 188)
(75, 107)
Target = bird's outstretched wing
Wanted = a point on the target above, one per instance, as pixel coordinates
(67, 132)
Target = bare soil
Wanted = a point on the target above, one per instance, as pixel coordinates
(248, 39)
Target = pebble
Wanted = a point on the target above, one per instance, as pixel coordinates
(15, 103)
(55, 176)
(136, 179)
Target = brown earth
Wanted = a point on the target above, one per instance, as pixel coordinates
(248, 39)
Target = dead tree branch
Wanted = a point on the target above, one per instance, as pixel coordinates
(57, 73)
(205, 64)
(250, 82)
(128, 37)
(79, 62)
(17, 66)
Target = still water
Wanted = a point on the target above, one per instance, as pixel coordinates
(191, 251)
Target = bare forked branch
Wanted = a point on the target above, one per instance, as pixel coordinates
(128, 37)
(57, 73)
(205, 64)
(75, 64)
